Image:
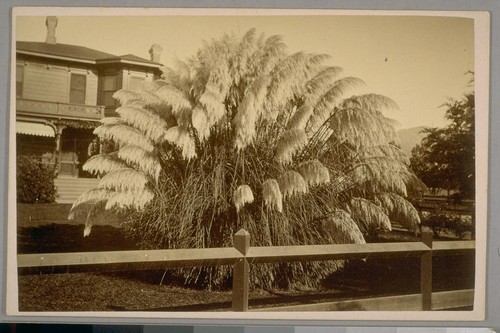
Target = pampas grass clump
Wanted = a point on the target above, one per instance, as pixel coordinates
(243, 134)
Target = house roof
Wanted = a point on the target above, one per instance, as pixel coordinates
(132, 57)
(78, 53)
(128, 58)
(65, 50)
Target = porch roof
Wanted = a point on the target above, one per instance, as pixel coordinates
(36, 129)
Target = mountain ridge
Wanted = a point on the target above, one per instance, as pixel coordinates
(410, 137)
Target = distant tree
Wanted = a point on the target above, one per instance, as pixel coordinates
(244, 135)
(445, 158)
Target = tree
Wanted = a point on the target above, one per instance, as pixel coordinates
(445, 158)
(243, 135)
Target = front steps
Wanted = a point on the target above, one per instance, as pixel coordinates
(70, 188)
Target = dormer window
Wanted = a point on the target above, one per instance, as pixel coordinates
(77, 88)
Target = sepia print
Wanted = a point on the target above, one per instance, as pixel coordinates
(174, 163)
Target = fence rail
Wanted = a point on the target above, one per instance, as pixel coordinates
(242, 256)
(440, 301)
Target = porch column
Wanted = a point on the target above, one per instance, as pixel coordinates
(57, 153)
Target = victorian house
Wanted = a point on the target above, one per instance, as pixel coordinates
(63, 91)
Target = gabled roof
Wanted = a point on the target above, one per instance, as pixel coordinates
(78, 53)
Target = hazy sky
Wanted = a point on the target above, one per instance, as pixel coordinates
(426, 56)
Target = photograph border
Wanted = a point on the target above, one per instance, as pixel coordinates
(482, 76)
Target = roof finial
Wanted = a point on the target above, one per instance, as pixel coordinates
(51, 23)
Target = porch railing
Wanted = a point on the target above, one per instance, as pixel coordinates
(57, 109)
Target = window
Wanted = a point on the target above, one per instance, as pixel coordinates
(77, 88)
(136, 82)
(19, 80)
(109, 88)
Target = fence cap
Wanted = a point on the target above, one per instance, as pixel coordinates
(242, 232)
(427, 237)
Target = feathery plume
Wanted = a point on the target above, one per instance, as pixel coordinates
(124, 180)
(326, 104)
(146, 121)
(136, 200)
(199, 120)
(370, 214)
(126, 97)
(124, 135)
(180, 136)
(290, 143)
(291, 183)
(149, 98)
(241, 196)
(212, 101)
(176, 99)
(112, 121)
(341, 228)
(146, 161)
(86, 231)
(320, 84)
(102, 164)
(88, 200)
(271, 194)
(314, 172)
(400, 210)
(244, 122)
(373, 103)
(300, 118)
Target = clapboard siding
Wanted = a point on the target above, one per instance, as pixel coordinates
(52, 83)
(45, 83)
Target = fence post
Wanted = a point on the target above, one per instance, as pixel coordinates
(426, 272)
(241, 270)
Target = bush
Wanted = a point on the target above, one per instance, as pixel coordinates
(442, 223)
(35, 181)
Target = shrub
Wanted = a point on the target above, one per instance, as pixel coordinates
(442, 223)
(35, 181)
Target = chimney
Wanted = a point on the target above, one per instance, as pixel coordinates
(51, 24)
(155, 52)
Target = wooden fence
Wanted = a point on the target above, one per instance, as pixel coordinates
(242, 256)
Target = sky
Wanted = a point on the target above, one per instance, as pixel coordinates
(418, 61)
